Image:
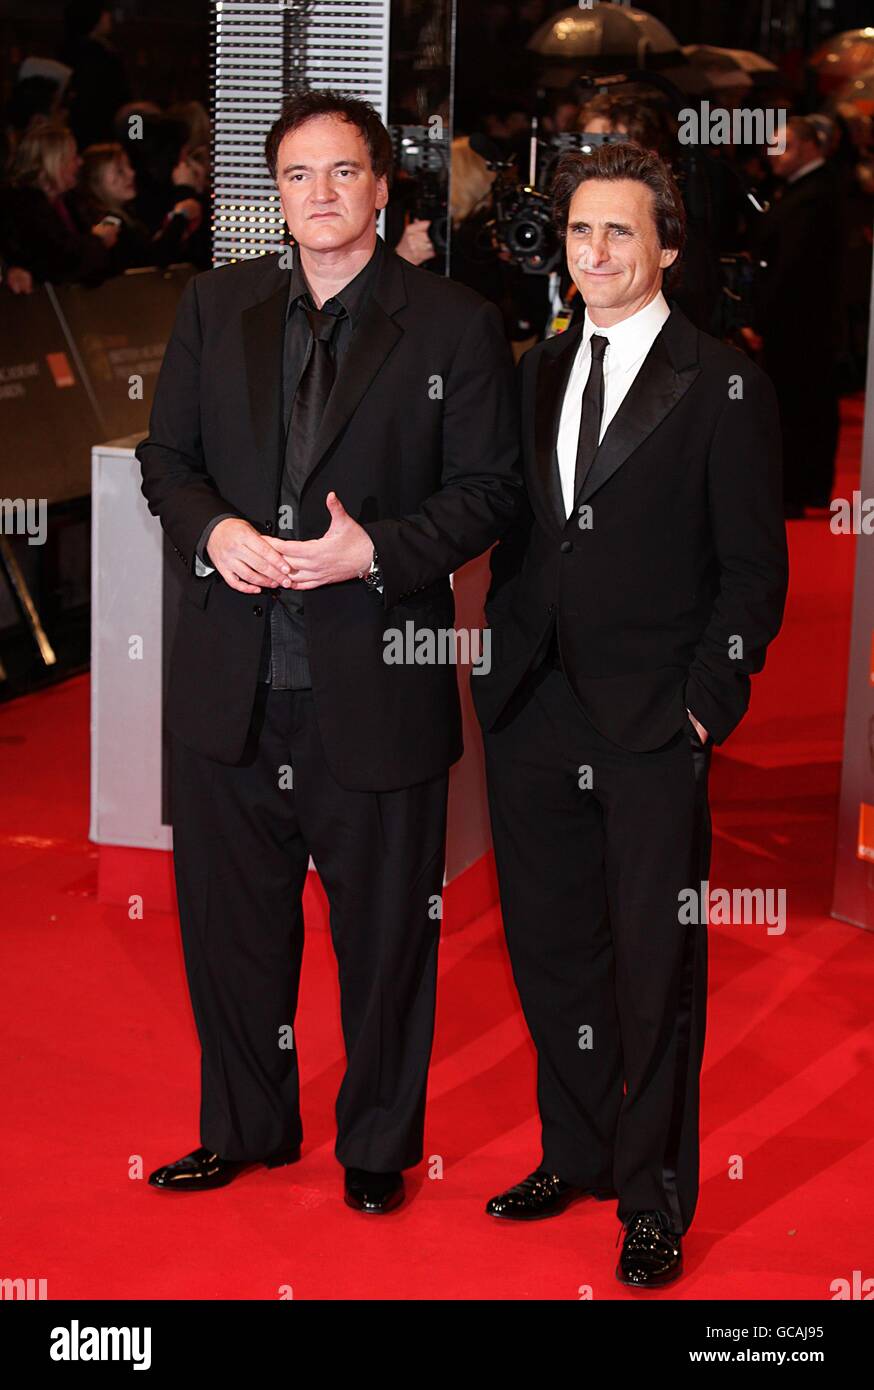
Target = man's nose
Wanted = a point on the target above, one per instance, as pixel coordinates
(323, 190)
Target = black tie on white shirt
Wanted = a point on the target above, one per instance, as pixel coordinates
(590, 415)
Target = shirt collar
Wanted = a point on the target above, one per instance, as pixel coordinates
(805, 169)
(350, 299)
(632, 337)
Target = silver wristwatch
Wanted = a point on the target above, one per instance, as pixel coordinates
(373, 576)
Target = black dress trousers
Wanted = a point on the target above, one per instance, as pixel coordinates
(242, 837)
(593, 846)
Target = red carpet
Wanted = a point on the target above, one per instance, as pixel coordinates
(100, 1067)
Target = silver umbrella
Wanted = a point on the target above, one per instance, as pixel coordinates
(735, 68)
(604, 31)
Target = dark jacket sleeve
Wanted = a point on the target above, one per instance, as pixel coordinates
(175, 481)
(746, 514)
(507, 557)
(481, 481)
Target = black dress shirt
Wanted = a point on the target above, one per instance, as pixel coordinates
(284, 662)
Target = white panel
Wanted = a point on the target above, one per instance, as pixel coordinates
(126, 589)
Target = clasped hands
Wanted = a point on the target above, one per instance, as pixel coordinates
(250, 562)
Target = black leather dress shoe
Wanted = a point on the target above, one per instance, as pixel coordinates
(539, 1195)
(202, 1170)
(652, 1253)
(376, 1193)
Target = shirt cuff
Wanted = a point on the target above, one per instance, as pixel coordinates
(201, 568)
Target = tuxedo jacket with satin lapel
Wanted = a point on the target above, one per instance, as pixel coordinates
(669, 585)
(420, 442)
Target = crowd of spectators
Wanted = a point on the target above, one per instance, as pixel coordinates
(93, 183)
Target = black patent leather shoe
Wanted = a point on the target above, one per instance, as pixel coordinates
(375, 1193)
(202, 1170)
(539, 1195)
(652, 1253)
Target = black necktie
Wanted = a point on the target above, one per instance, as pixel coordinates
(590, 415)
(311, 395)
(308, 407)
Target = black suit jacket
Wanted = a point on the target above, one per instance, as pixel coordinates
(799, 297)
(419, 440)
(682, 552)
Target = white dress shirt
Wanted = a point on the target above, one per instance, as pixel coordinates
(628, 344)
(805, 169)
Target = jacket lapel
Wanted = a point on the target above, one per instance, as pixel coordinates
(667, 372)
(263, 326)
(553, 370)
(373, 339)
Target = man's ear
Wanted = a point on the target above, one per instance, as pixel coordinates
(667, 256)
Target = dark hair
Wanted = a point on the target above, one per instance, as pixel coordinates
(33, 96)
(155, 155)
(305, 105)
(94, 160)
(82, 16)
(623, 161)
(805, 130)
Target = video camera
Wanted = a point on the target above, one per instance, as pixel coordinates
(422, 175)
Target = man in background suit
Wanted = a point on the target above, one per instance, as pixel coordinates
(628, 609)
(799, 313)
(328, 443)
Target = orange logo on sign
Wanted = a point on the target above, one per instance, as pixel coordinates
(60, 369)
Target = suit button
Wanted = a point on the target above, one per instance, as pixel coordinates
(551, 608)
(566, 547)
(258, 611)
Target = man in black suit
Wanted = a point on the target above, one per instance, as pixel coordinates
(799, 313)
(328, 443)
(628, 609)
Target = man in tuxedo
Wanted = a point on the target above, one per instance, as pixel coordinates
(628, 607)
(329, 441)
(799, 313)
